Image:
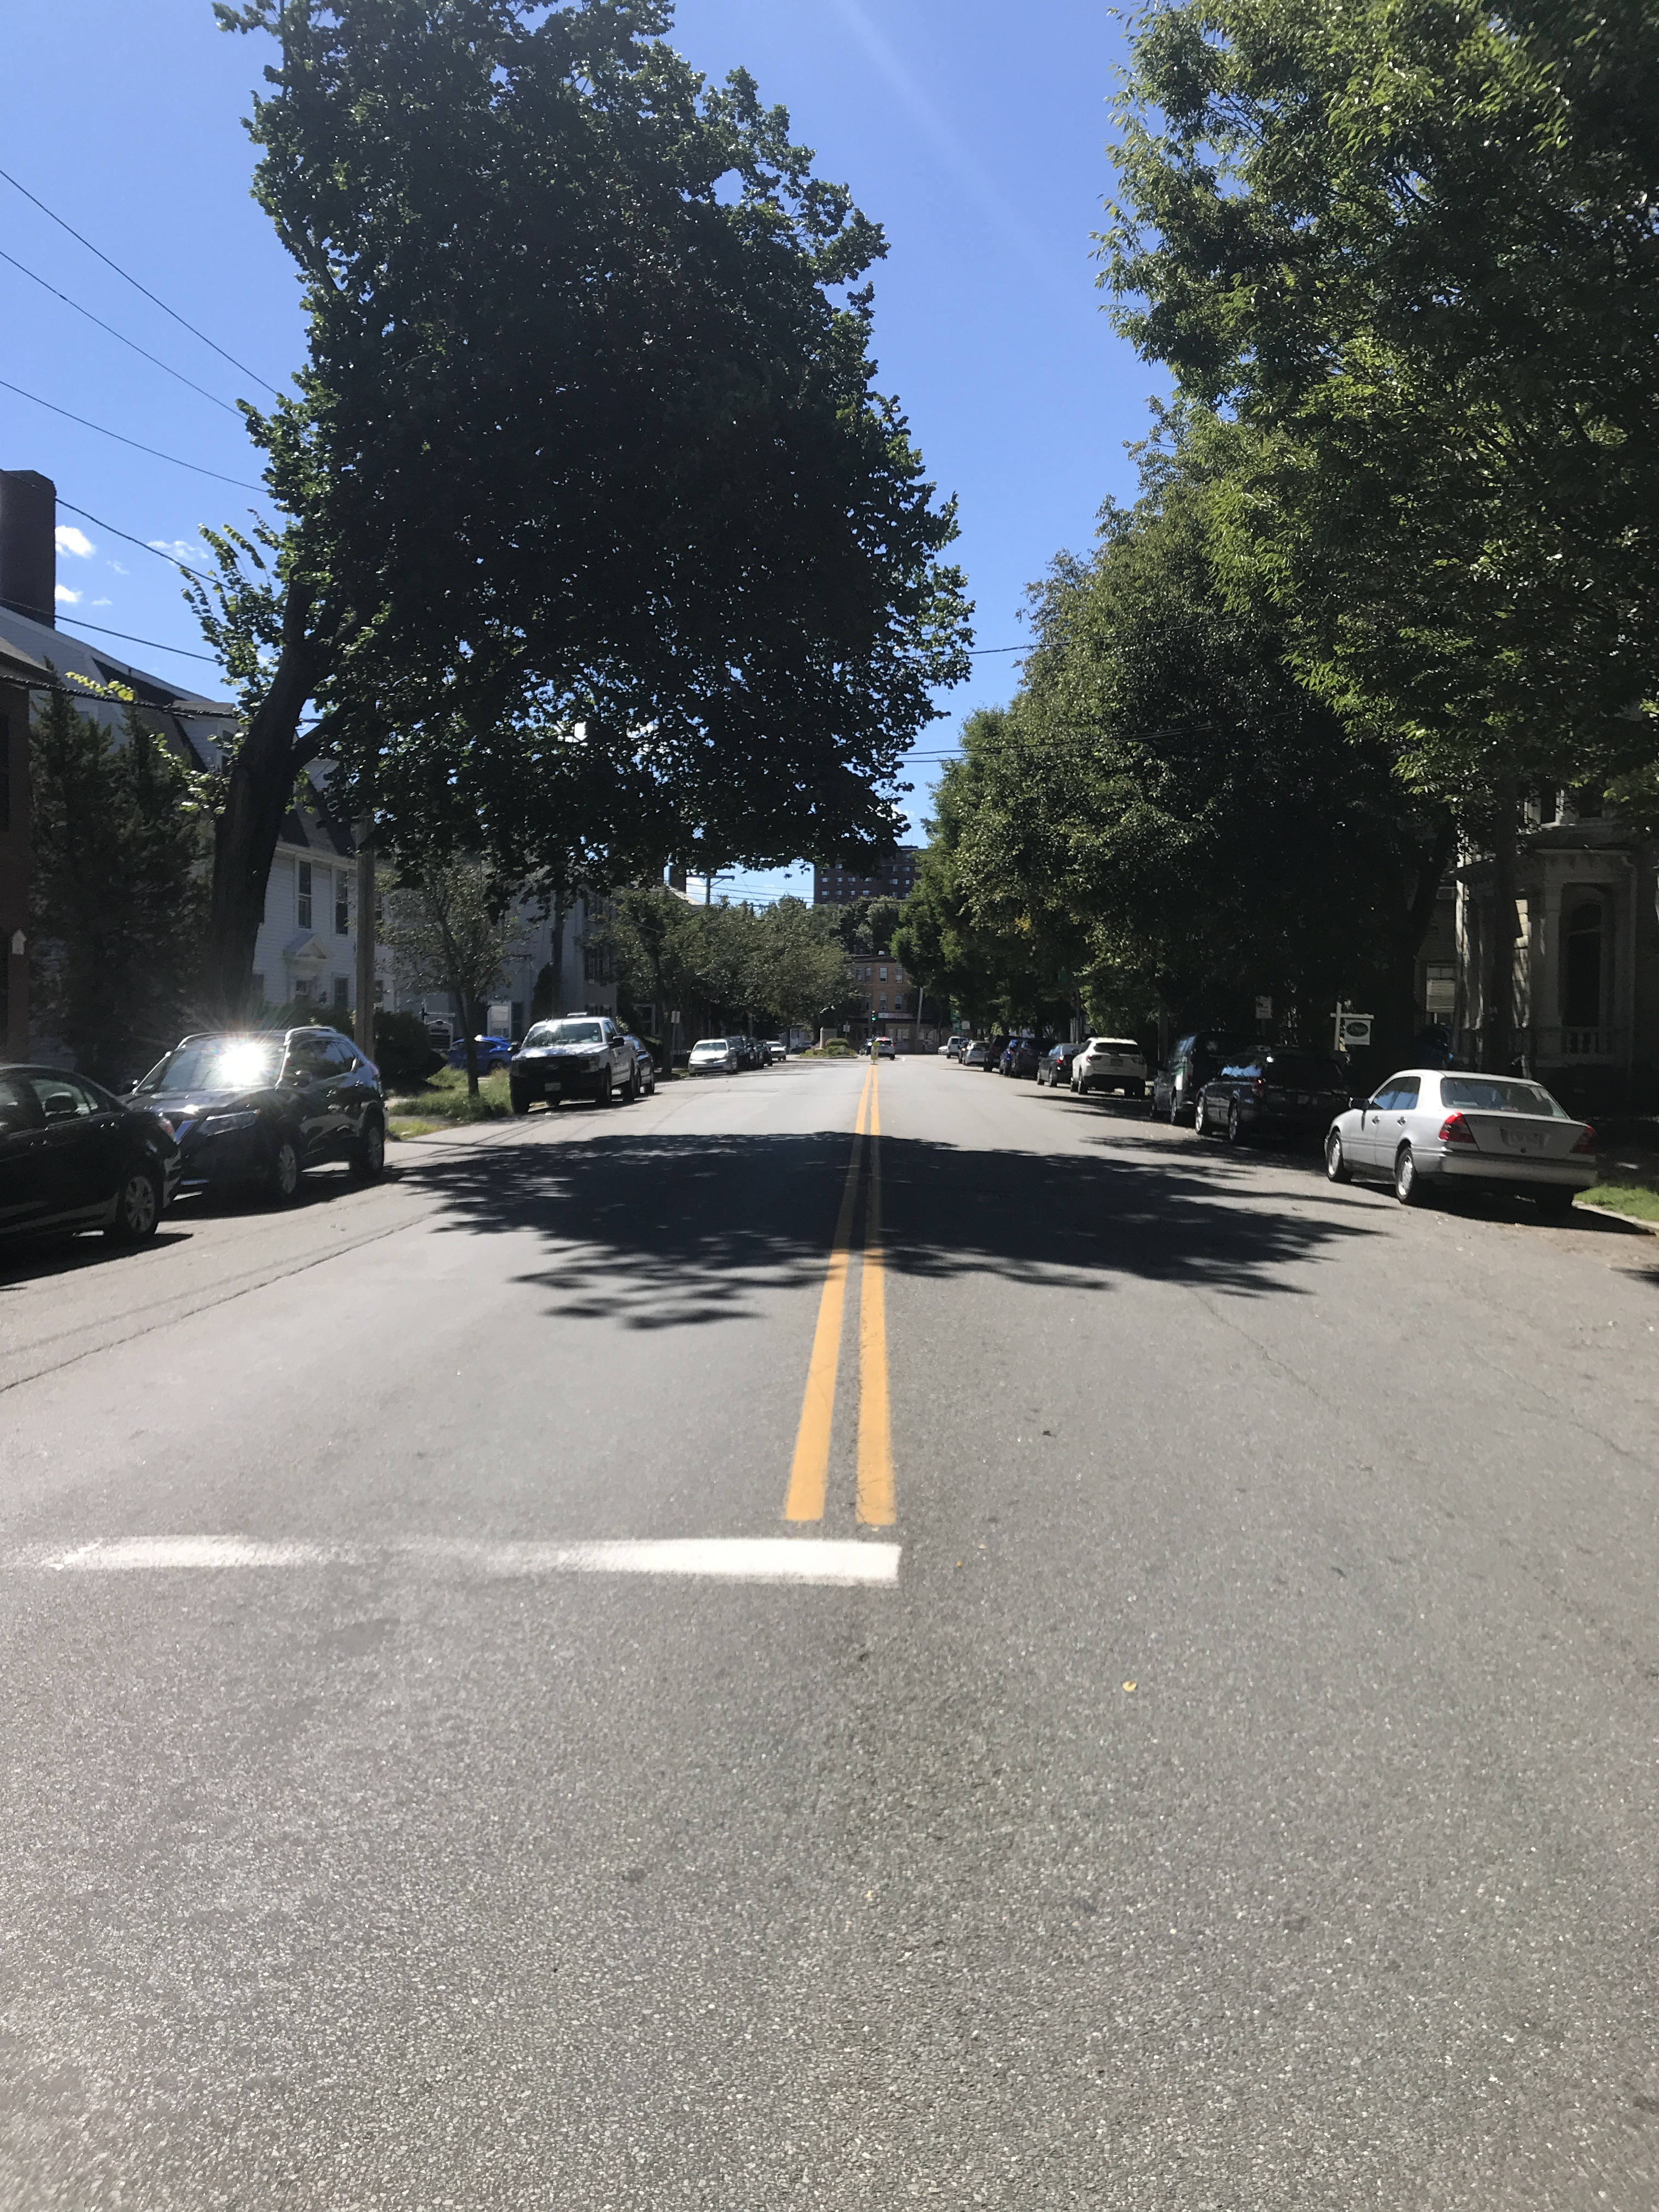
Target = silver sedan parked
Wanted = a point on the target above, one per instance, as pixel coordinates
(1429, 1131)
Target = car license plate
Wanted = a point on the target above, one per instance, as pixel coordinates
(1304, 1098)
(1517, 1140)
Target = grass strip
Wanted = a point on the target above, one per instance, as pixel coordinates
(1635, 1199)
(444, 1098)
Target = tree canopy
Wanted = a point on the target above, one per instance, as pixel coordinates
(599, 539)
(1412, 246)
(780, 964)
(1166, 816)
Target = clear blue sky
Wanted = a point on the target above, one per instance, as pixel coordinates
(974, 132)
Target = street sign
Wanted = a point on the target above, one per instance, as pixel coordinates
(1353, 1030)
(1264, 1008)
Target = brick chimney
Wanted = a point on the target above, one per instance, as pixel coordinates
(28, 545)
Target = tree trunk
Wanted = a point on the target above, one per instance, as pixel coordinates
(262, 775)
(1503, 931)
(1395, 1029)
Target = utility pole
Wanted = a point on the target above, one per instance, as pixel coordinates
(365, 1021)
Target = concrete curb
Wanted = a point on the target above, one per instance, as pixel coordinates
(1631, 1221)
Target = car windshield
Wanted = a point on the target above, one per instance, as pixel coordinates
(545, 1033)
(1309, 1071)
(222, 1063)
(1115, 1044)
(1486, 1094)
(711, 1044)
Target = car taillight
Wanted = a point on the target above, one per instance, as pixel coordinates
(1260, 1085)
(1587, 1142)
(1455, 1130)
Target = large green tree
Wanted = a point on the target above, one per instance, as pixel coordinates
(117, 889)
(585, 458)
(1166, 811)
(1410, 244)
(779, 964)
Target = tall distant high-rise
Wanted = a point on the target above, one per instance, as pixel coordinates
(892, 877)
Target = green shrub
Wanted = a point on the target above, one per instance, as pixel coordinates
(404, 1053)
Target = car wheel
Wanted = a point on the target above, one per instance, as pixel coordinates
(1408, 1186)
(520, 1098)
(283, 1175)
(1235, 1127)
(630, 1090)
(602, 1096)
(137, 1207)
(1201, 1118)
(1336, 1166)
(368, 1153)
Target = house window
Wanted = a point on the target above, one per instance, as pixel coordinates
(341, 987)
(302, 897)
(1583, 1009)
(341, 905)
(884, 974)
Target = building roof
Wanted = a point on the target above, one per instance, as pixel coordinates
(197, 723)
(197, 726)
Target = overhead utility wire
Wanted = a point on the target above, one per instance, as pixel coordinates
(154, 643)
(155, 452)
(155, 359)
(143, 544)
(137, 286)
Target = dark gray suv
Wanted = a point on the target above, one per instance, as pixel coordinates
(262, 1106)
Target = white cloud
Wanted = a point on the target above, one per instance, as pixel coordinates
(177, 548)
(65, 597)
(103, 603)
(71, 540)
(118, 569)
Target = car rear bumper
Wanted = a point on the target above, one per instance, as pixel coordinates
(1513, 1174)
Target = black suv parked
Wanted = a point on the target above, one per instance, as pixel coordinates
(1271, 1087)
(248, 1107)
(71, 1156)
(1193, 1061)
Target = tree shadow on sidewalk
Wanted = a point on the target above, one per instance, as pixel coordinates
(670, 1231)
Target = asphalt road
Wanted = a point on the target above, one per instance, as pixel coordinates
(1227, 1780)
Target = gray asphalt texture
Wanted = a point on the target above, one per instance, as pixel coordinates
(379, 1883)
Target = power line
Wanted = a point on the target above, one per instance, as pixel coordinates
(979, 652)
(155, 452)
(137, 286)
(121, 335)
(142, 543)
(154, 643)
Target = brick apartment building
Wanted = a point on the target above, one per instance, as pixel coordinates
(892, 877)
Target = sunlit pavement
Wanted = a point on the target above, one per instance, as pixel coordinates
(837, 1642)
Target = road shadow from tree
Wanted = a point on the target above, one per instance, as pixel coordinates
(27, 1259)
(667, 1231)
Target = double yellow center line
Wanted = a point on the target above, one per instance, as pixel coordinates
(809, 1476)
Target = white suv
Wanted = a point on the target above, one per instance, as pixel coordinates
(1111, 1064)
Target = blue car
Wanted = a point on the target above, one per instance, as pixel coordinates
(493, 1052)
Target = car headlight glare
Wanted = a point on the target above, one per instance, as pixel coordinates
(220, 1125)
